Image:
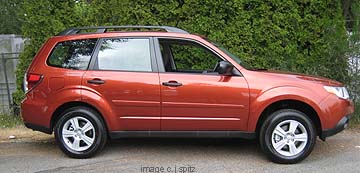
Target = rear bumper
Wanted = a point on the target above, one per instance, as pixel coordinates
(38, 128)
(340, 126)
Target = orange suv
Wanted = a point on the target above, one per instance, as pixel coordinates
(90, 84)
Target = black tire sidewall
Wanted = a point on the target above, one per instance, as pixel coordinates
(271, 123)
(93, 117)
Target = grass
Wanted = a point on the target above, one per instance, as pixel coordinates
(9, 121)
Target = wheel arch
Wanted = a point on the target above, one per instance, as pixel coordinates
(59, 110)
(290, 104)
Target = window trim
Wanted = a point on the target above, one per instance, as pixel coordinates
(94, 57)
(161, 63)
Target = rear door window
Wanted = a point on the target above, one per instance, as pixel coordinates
(74, 54)
(124, 54)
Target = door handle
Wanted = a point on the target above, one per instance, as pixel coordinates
(96, 81)
(172, 84)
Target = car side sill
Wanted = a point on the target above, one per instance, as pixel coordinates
(182, 134)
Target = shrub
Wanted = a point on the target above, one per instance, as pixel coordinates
(300, 36)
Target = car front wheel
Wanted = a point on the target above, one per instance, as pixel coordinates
(287, 136)
(80, 132)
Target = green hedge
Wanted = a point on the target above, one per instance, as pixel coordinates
(301, 36)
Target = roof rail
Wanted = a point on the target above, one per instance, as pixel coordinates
(103, 29)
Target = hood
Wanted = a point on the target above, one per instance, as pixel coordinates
(299, 76)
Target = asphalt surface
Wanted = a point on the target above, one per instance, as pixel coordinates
(340, 153)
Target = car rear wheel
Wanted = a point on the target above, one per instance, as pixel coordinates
(287, 136)
(80, 132)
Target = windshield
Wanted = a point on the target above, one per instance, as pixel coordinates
(234, 57)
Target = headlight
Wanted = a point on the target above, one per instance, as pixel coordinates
(338, 91)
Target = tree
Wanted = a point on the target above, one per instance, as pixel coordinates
(11, 17)
(354, 59)
(42, 19)
(301, 36)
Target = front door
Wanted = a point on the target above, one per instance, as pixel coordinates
(194, 96)
(123, 73)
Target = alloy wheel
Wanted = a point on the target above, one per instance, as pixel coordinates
(78, 133)
(289, 138)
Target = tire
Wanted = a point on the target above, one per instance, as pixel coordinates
(80, 132)
(287, 136)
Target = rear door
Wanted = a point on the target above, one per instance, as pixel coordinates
(124, 73)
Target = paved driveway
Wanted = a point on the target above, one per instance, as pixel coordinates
(340, 153)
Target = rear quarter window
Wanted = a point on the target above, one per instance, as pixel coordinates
(74, 54)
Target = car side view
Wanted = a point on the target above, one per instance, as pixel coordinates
(90, 84)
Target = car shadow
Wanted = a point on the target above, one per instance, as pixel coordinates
(184, 146)
(188, 147)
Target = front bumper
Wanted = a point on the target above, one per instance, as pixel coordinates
(340, 126)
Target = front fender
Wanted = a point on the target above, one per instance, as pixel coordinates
(264, 99)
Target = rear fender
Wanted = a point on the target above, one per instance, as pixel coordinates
(94, 98)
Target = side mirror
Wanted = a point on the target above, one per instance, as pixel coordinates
(224, 68)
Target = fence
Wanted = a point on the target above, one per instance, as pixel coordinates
(7, 81)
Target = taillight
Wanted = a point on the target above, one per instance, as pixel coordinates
(31, 80)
